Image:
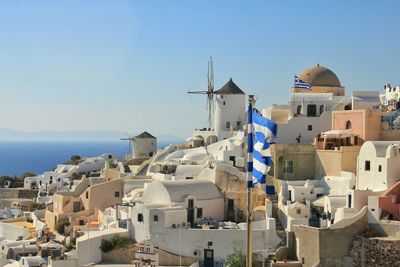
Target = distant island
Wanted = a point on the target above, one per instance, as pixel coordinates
(74, 136)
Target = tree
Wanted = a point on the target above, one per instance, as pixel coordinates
(2, 179)
(75, 176)
(115, 242)
(238, 259)
(35, 206)
(106, 245)
(60, 225)
(26, 174)
(75, 158)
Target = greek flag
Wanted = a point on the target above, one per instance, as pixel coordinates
(298, 83)
(264, 131)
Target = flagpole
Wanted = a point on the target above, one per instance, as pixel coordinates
(249, 180)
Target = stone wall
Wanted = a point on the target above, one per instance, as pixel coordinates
(376, 251)
(119, 255)
(9, 195)
(328, 247)
(234, 187)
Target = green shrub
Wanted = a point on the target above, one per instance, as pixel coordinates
(34, 206)
(121, 242)
(106, 245)
(115, 242)
(238, 259)
(60, 225)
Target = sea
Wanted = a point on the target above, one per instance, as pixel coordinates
(38, 157)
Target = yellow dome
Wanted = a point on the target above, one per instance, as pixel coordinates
(320, 76)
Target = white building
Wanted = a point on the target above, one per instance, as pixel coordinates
(378, 165)
(230, 107)
(294, 214)
(145, 255)
(166, 210)
(309, 112)
(144, 145)
(59, 178)
(391, 96)
(229, 115)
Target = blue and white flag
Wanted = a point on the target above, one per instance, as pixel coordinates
(264, 131)
(298, 83)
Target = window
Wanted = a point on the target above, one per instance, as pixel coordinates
(380, 168)
(348, 125)
(309, 127)
(116, 194)
(228, 125)
(223, 103)
(238, 124)
(155, 218)
(209, 243)
(140, 217)
(199, 213)
(367, 165)
(87, 194)
(59, 179)
(298, 211)
(109, 156)
(288, 166)
(81, 222)
(321, 109)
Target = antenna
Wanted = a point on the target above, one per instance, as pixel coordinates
(209, 92)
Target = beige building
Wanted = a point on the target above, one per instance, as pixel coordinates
(83, 202)
(322, 80)
(293, 161)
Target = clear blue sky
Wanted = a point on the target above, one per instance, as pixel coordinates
(126, 65)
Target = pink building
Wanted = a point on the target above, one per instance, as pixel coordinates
(366, 124)
(390, 202)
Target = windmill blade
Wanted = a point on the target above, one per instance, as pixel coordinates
(198, 92)
(210, 91)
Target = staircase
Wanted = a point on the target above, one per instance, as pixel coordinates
(280, 231)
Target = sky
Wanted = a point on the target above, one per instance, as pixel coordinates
(127, 65)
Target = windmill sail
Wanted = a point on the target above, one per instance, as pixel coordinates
(209, 92)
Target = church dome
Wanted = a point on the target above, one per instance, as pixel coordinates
(320, 76)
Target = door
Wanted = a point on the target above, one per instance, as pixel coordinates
(208, 257)
(231, 210)
(311, 110)
(190, 212)
(349, 199)
(232, 158)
